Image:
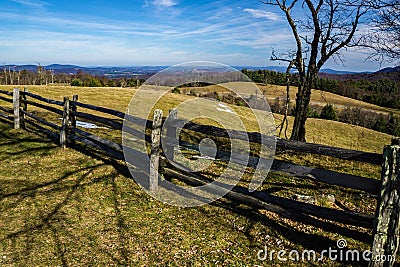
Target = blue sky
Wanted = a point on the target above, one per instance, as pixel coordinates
(147, 32)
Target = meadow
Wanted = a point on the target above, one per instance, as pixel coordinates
(271, 92)
(70, 208)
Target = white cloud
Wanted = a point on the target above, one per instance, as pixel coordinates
(31, 3)
(164, 3)
(261, 14)
(90, 24)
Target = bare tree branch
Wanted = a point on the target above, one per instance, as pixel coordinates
(321, 31)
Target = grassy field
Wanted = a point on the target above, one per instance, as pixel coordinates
(272, 92)
(64, 208)
(318, 131)
(69, 208)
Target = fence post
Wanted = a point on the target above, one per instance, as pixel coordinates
(16, 108)
(73, 110)
(24, 104)
(155, 149)
(386, 225)
(171, 135)
(65, 124)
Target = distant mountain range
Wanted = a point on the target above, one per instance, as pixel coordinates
(283, 69)
(118, 72)
(111, 72)
(387, 70)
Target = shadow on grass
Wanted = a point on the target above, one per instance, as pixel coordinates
(53, 218)
(307, 240)
(22, 145)
(17, 194)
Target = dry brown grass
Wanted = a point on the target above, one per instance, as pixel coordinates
(318, 131)
(62, 207)
(272, 92)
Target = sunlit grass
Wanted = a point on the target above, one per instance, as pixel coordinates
(317, 131)
(62, 207)
(271, 92)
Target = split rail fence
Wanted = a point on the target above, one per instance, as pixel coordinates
(385, 223)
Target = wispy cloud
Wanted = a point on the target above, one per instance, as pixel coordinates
(31, 3)
(164, 3)
(160, 32)
(261, 14)
(90, 24)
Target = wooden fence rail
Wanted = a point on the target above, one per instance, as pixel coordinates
(7, 113)
(385, 223)
(6, 99)
(43, 99)
(282, 144)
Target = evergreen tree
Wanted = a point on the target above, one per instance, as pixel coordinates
(328, 113)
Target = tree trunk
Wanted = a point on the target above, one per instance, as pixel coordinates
(302, 101)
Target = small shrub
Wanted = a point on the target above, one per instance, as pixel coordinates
(312, 113)
(111, 83)
(217, 96)
(380, 125)
(176, 90)
(76, 82)
(328, 113)
(393, 125)
(94, 83)
(240, 103)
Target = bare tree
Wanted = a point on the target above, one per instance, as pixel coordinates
(5, 74)
(18, 77)
(51, 71)
(11, 73)
(384, 36)
(285, 122)
(321, 28)
(41, 73)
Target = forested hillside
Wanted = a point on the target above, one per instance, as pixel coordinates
(380, 88)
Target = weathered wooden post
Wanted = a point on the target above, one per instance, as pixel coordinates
(65, 124)
(171, 135)
(386, 225)
(73, 110)
(155, 149)
(72, 115)
(16, 108)
(24, 105)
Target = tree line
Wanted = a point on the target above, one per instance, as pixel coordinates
(88, 80)
(43, 76)
(381, 91)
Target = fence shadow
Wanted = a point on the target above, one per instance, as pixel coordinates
(37, 218)
(308, 241)
(308, 215)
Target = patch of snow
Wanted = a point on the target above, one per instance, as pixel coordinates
(88, 125)
(228, 110)
(131, 139)
(203, 157)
